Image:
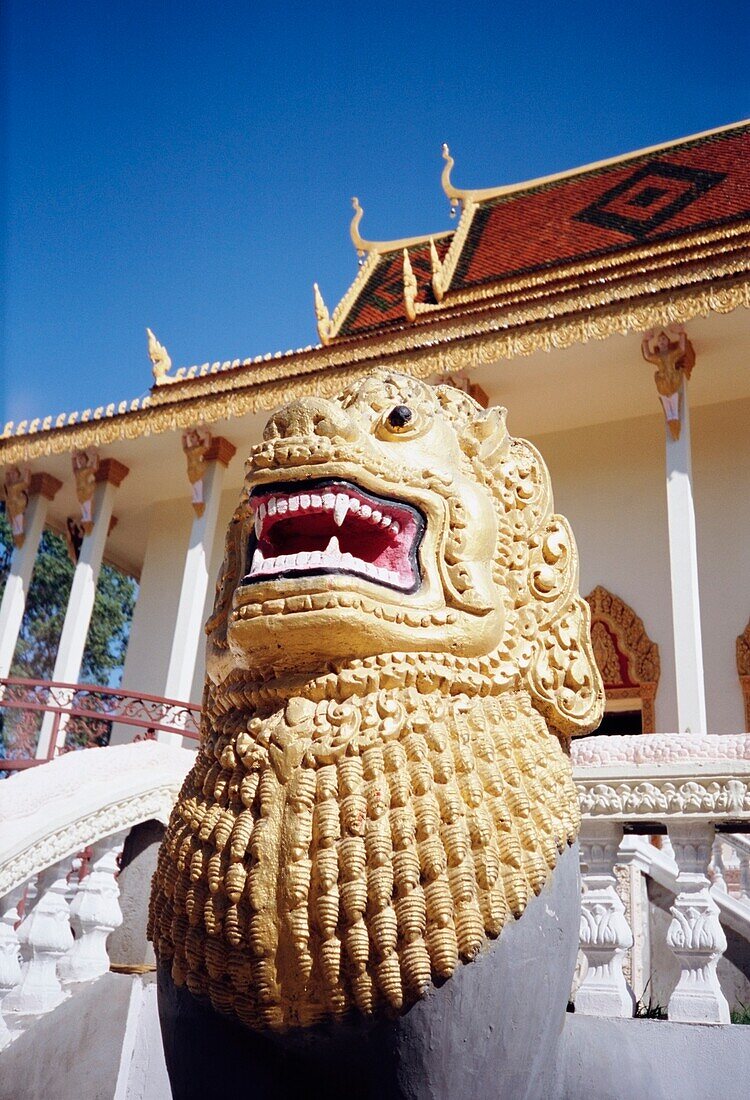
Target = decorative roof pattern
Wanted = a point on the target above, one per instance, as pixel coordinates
(689, 187)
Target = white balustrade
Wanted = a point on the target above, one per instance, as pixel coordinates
(695, 934)
(691, 784)
(10, 954)
(717, 867)
(94, 913)
(605, 933)
(745, 877)
(45, 931)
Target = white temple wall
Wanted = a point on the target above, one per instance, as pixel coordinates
(609, 480)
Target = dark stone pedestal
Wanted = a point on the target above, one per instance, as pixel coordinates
(491, 1032)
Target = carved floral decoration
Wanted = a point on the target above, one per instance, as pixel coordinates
(627, 658)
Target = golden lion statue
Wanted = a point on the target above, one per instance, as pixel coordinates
(397, 656)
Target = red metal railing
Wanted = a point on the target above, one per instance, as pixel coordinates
(86, 713)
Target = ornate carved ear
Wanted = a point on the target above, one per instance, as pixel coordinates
(548, 636)
(563, 677)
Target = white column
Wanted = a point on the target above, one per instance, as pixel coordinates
(188, 628)
(42, 491)
(605, 935)
(695, 934)
(683, 560)
(83, 593)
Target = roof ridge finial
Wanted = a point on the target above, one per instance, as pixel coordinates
(322, 316)
(159, 356)
(450, 191)
(362, 246)
(438, 287)
(410, 288)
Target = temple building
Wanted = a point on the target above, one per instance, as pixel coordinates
(601, 306)
(607, 309)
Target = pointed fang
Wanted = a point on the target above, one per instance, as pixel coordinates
(341, 508)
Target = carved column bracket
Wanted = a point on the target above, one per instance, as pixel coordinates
(605, 932)
(695, 935)
(674, 358)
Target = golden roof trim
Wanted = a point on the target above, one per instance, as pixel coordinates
(465, 348)
(477, 195)
(364, 247)
(715, 244)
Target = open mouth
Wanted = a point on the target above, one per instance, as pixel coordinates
(332, 526)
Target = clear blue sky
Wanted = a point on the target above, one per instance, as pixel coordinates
(189, 165)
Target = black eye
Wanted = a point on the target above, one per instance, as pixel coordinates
(399, 417)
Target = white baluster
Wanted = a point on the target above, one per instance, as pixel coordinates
(47, 935)
(695, 934)
(95, 913)
(605, 933)
(10, 954)
(719, 881)
(745, 877)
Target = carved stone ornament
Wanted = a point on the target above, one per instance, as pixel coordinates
(627, 658)
(17, 487)
(396, 637)
(85, 466)
(672, 353)
(743, 670)
(195, 444)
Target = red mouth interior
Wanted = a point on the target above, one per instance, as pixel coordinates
(375, 539)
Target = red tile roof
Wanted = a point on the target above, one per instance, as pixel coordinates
(701, 184)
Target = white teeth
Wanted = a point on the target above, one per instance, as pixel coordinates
(293, 504)
(340, 509)
(329, 500)
(272, 506)
(304, 501)
(281, 506)
(395, 528)
(333, 546)
(353, 504)
(348, 561)
(385, 521)
(316, 558)
(316, 500)
(257, 562)
(376, 517)
(258, 522)
(365, 511)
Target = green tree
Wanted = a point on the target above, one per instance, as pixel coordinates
(107, 639)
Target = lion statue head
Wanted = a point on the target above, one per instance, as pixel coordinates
(397, 656)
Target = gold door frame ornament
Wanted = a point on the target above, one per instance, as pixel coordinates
(743, 670)
(640, 667)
